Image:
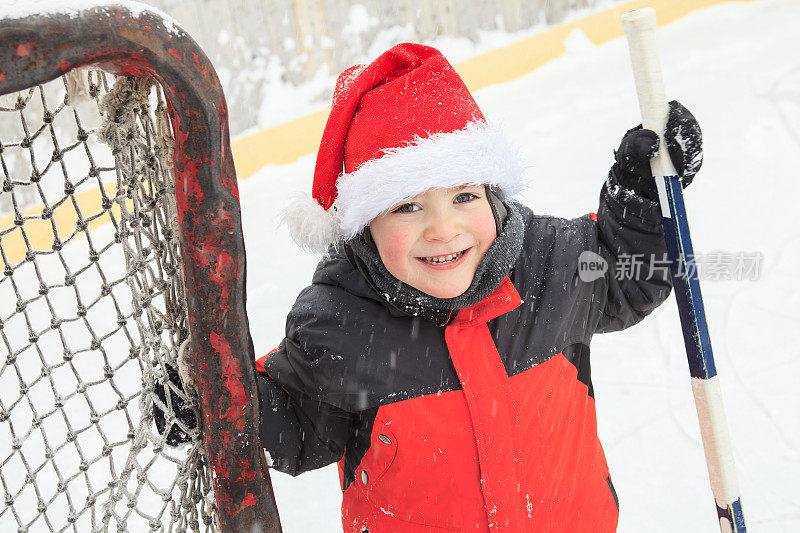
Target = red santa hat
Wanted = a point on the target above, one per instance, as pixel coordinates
(399, 126)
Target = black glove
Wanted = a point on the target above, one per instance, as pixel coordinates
(183, 412)
(638, 146)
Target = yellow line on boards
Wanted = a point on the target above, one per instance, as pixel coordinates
(38, 230)
(279, 145)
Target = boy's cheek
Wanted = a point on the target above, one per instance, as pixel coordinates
(394, 250)
(488, 231)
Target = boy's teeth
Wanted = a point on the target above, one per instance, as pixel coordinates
(443, 258)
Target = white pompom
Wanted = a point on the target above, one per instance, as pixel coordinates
(310, 225)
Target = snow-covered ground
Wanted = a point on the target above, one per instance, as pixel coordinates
(736, 67)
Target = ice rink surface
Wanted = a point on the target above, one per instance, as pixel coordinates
(735, 66)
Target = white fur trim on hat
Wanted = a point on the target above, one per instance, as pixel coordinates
(310, 225)
(475, 155)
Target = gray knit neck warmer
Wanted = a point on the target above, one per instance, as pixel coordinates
(492, 269)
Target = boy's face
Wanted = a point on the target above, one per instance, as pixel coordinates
(435, 241)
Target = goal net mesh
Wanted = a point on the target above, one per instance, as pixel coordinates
(92, 315)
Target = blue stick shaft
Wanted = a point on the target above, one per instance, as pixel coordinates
(686, 283)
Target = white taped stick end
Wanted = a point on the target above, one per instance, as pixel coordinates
(639, 19)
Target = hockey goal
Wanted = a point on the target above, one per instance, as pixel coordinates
(127, 393)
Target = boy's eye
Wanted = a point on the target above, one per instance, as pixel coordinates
(464, 197)
(406, 208)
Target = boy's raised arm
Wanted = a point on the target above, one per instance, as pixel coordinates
(630, 236)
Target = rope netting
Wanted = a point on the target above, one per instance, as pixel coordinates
(92, 316)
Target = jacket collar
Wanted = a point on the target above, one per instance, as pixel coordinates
(504, 299)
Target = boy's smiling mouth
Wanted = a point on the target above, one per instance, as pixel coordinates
(441, 260)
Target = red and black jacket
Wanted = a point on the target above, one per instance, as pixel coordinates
(484, 424)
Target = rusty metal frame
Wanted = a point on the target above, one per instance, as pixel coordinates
(38, 48)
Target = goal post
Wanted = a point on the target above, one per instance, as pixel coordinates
(182, 267)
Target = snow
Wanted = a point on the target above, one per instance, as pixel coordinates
(14, 9)
(734, 67)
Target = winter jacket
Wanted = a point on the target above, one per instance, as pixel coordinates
(486, 423)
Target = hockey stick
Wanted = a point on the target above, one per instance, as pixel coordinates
(639, 26)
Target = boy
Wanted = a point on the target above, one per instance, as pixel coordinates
(441, 354)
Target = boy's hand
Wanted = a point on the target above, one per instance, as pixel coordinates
(182, 411)
(638, 146)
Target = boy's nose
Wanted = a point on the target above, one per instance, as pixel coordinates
(441, 227)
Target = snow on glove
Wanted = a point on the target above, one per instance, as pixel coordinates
(638, 146)
(183, 412)
(684, 142)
